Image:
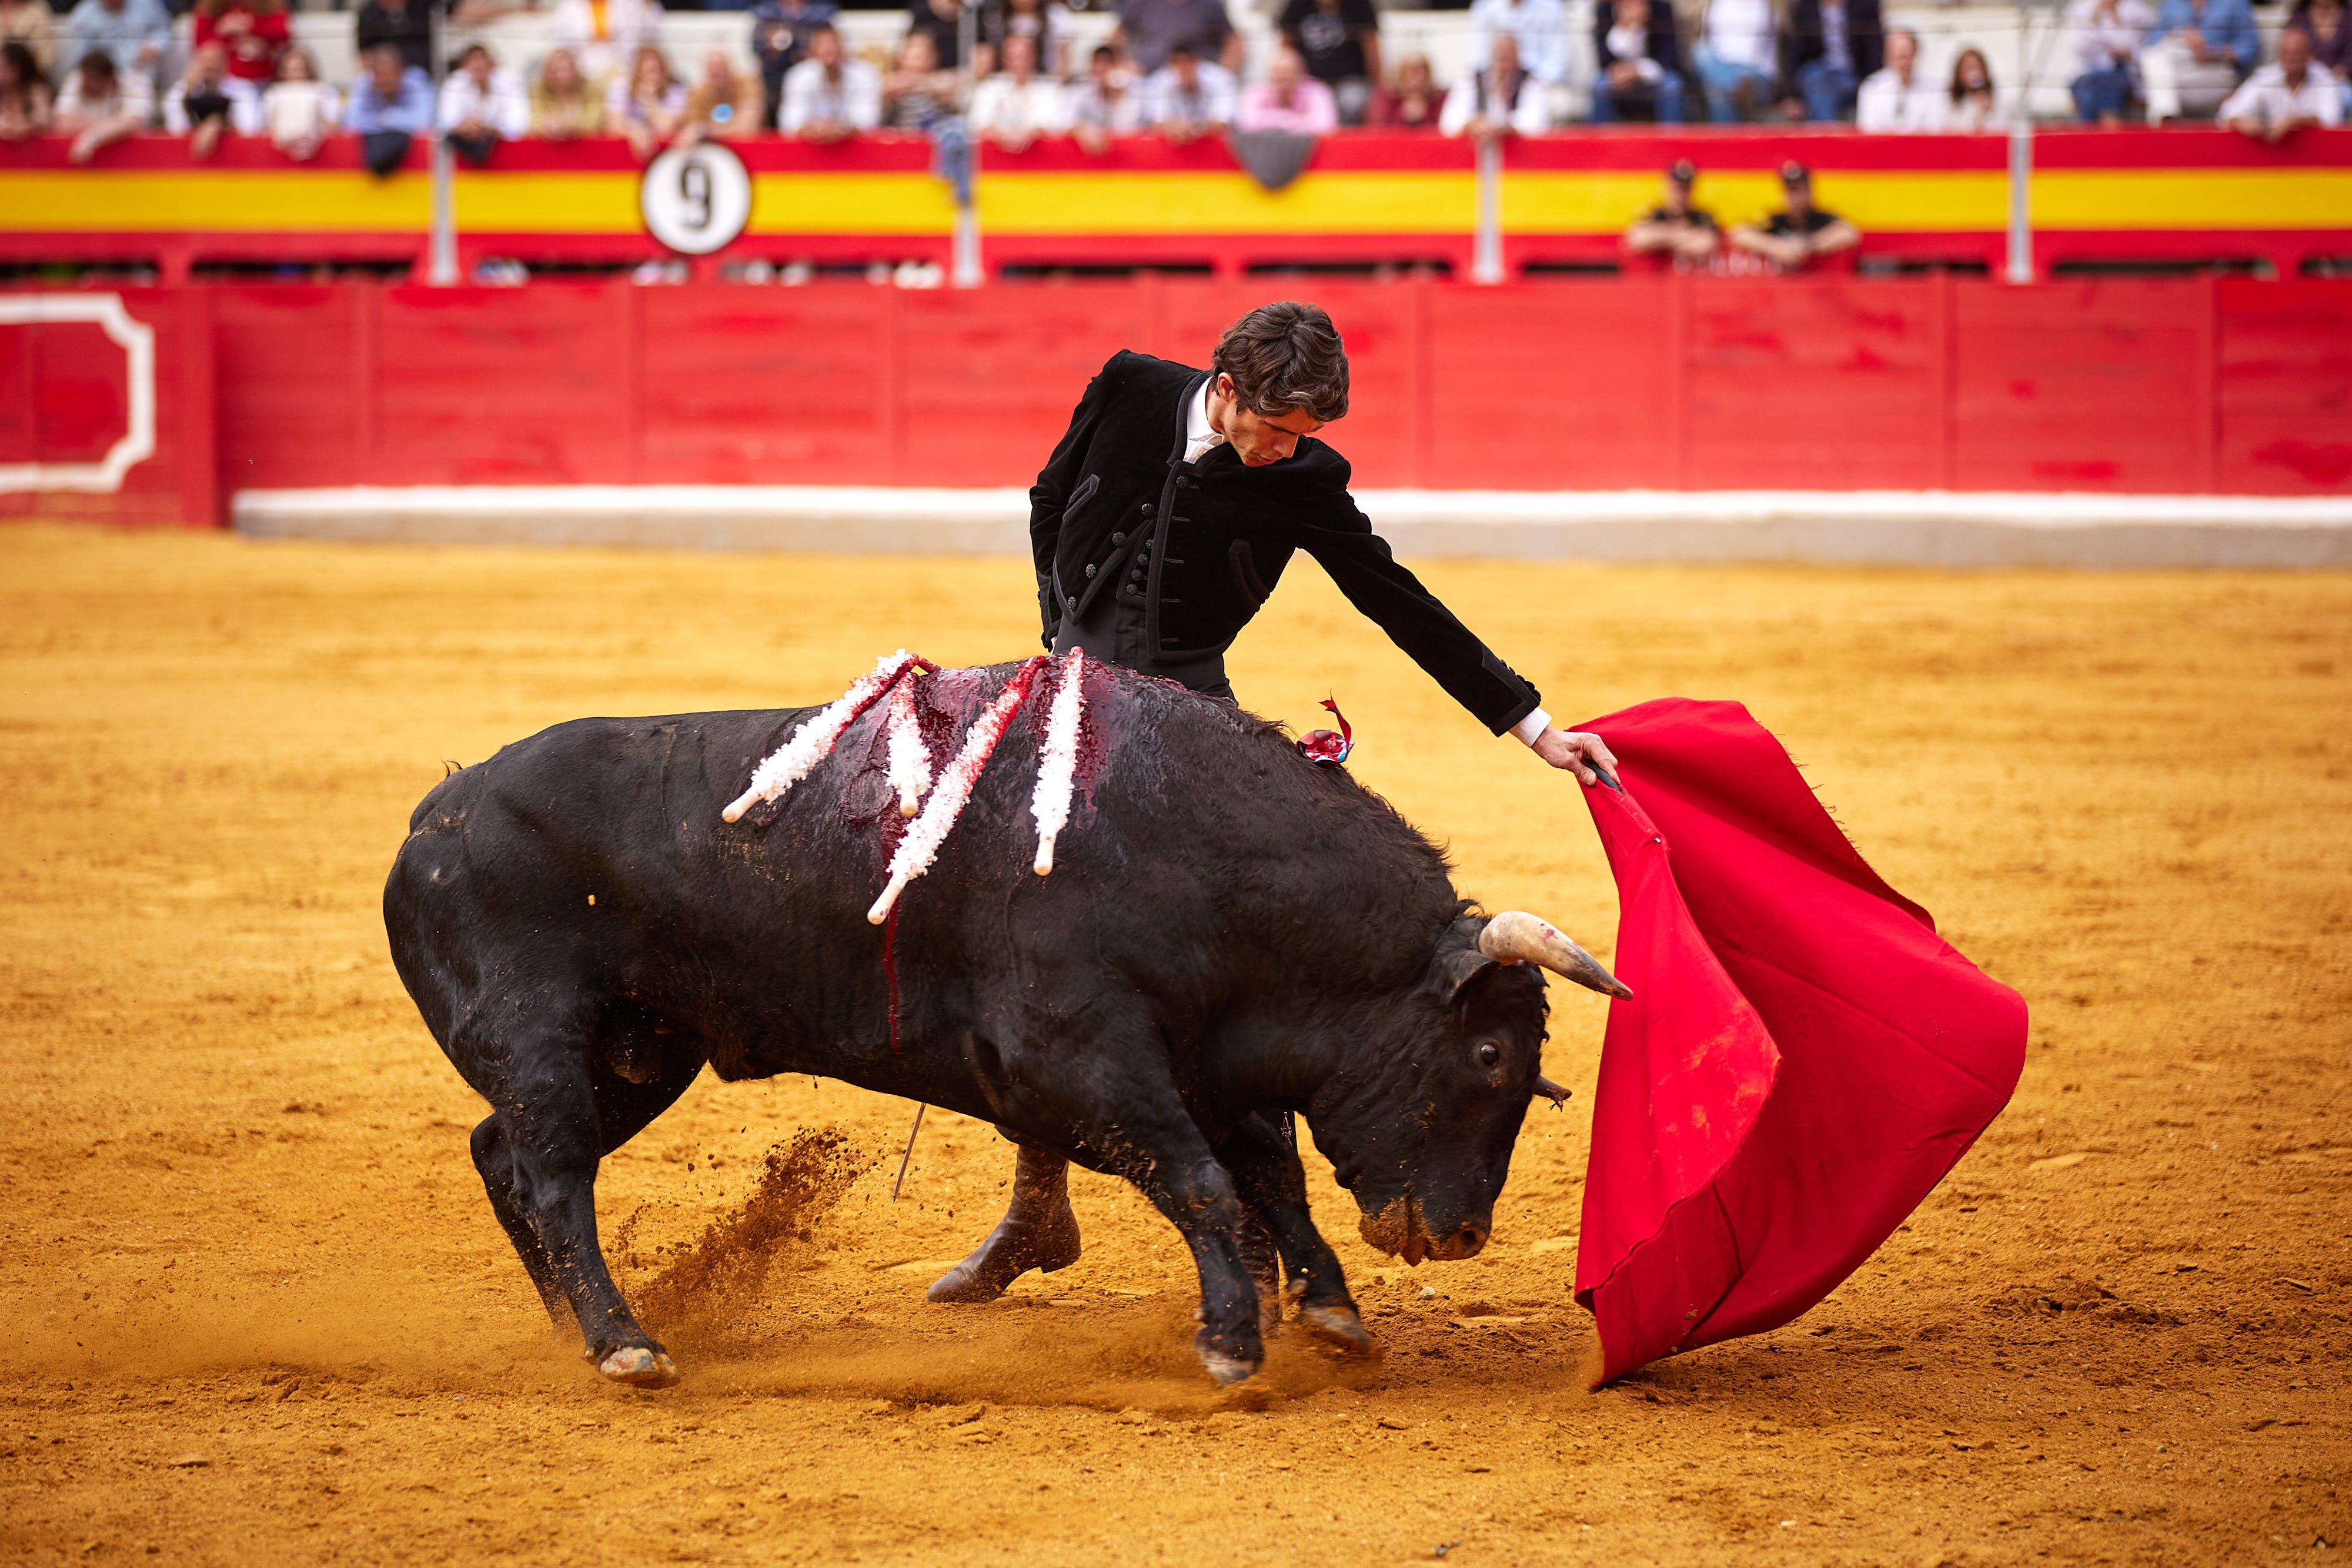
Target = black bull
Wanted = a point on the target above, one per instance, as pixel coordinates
(1230, 930)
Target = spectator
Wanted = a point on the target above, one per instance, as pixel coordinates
(604, 36)
(135, 35)
(1641, 62)
(1501, 99)
(1340, 42)
(24, 102)
(780, 30)
(2329, 23)
(1833, 45)
(392, 105)
(647, 107)
(406, 24)
(101, 105)
(1900, 97)
(829, 96)
(1017, 106)
(1975, 103)
(255, 33)
(299, 110)
(917, 93)
(1289, 99)
(941, 21)
(207, 100)
(1538, 28)
(1045, 23)
(2109, 35)
(1413, 102)
(2280, 100)
(2204, 49)
(562, 105)
(1107, 104)
(1150, 31)
(726, 104)
(481, 106)
(1188, 98)
(1799, 233)
(32, 24)
(1737, 57)
(1674, 228)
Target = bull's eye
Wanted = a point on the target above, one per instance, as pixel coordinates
(1489, 1053)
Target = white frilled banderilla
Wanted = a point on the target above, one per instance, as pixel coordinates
(897, 676)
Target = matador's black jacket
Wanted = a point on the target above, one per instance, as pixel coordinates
(1206, 542)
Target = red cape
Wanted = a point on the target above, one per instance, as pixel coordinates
(1803, 1057)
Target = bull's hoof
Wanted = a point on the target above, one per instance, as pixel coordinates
(1224, 1365)
(639, 1367)
(1009, 1252)
(1339, 1327)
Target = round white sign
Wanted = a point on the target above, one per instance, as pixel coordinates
(696, 199)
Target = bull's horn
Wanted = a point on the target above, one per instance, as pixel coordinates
(1516, 937)
(1556, 1093)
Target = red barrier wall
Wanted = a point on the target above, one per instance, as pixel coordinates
(1935, 382)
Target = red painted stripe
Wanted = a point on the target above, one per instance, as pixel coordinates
(2188, 149)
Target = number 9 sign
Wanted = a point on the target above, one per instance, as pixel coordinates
(696, 199)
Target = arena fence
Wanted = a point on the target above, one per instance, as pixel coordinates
(2203, 385)
(2094, 199)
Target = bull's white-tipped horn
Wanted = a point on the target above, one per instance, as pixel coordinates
(1514, 936)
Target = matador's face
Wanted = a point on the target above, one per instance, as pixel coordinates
(1261, 439)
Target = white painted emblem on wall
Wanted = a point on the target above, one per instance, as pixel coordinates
(696, 199)
(137, 341)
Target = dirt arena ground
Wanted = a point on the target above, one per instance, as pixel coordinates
(263, 1315)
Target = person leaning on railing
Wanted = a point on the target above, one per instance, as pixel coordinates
(2283, 98)
(830, 96)
(1288, 101)
(1188, 98)
(564, 105)
(481, 106)
(1016, 106)
(208, 102)
(297, 110)
(1498, 101)
(917, 92)
(101, 105)
(780, 30)
(1107, 104)
(2108, 37)
(726, 104)
(392, 105)
(647, 105)
(25, 104)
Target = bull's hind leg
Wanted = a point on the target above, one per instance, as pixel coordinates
(1038, 1231)
(555, 1117)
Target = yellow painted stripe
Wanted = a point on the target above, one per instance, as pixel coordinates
(216, 200)
(2193, 199)
(851, 204)
(1352, 202)
(1879, 200)
(603, 202)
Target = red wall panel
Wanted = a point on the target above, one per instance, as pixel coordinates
(765, 386)
(65, 398)
(290, 382)
(2283, 386)
(2082, 386)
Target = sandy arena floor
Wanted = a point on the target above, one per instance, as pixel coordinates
(265, 1316)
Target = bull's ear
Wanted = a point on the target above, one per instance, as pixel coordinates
(1458, 971)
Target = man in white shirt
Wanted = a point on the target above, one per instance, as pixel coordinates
(1107, 103)
(1501, 99)
(1540, 27)
(1737, 57)
(2280, 100)
(829, 96)
(481, 105)
(1016, 106)
(1899, 99)
(1188, 98)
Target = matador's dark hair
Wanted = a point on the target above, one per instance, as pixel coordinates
(1285, 356)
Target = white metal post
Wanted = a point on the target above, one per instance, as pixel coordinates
(2020, 201)
(1486, 247)
(441, 258)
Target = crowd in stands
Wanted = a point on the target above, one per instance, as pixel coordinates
(105, 70)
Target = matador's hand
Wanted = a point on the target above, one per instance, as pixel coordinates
(1586, 756)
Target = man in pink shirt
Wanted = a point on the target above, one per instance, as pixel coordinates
(1289, 99)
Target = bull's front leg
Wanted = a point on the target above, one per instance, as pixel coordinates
(1268, 1177)
(1196, 1194)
